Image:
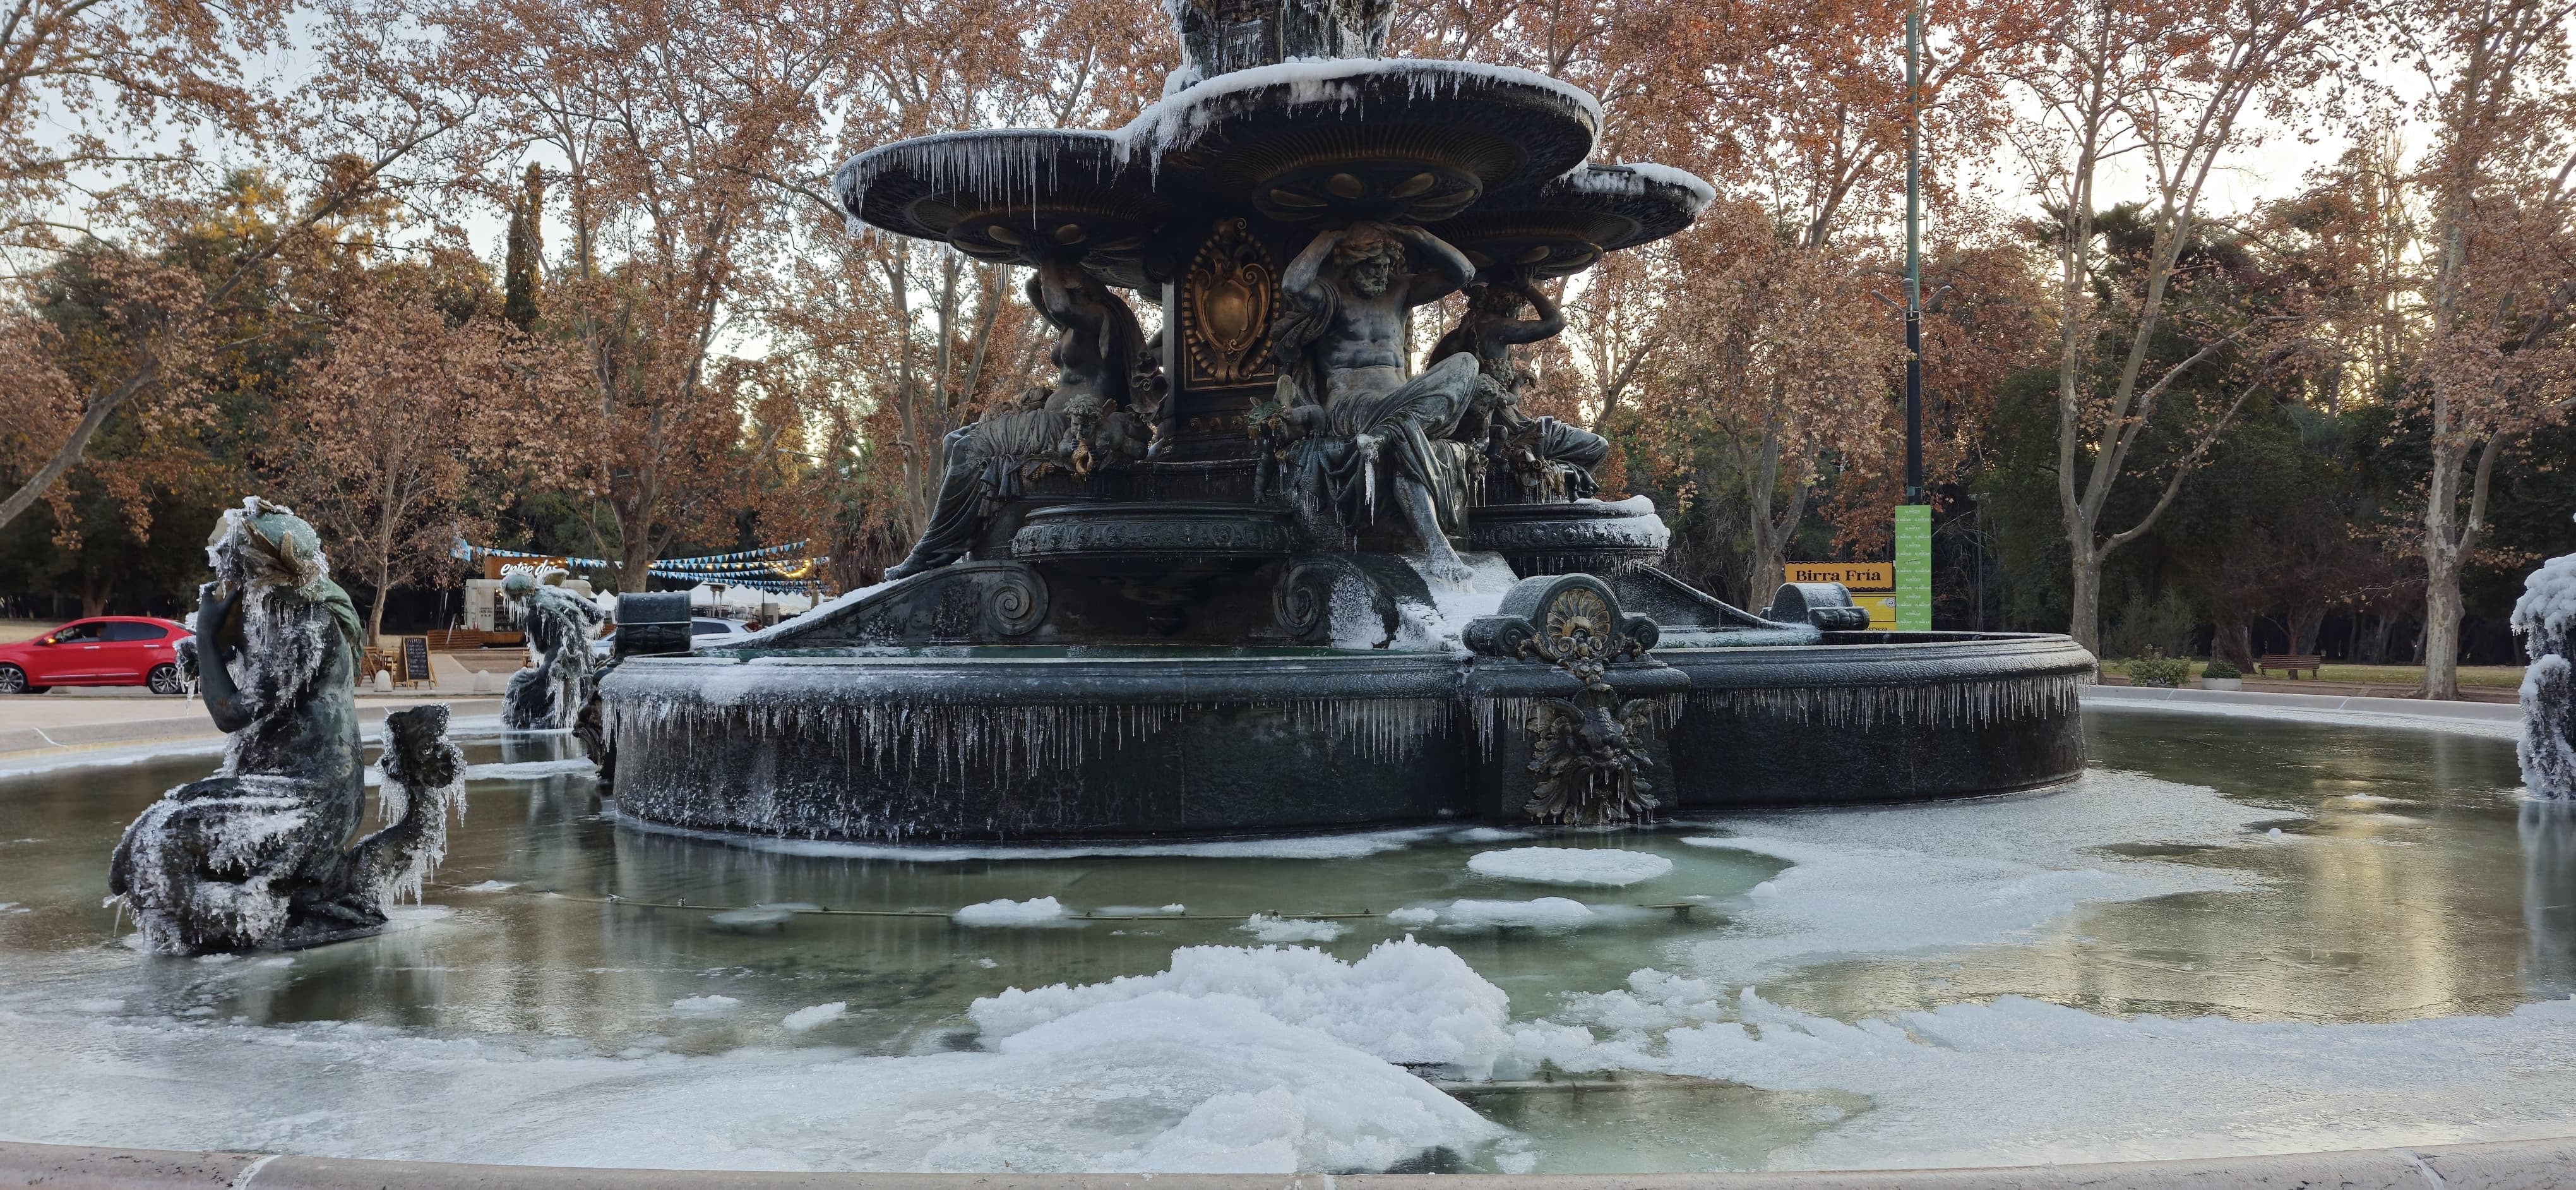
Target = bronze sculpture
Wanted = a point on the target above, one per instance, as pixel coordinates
(1087, 422)
(252, 857)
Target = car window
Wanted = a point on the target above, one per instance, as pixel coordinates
(136, 632)
(75, 632)
(709, 627)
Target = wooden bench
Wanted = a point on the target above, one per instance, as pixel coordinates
(2289, 663)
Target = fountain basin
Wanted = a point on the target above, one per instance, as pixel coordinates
(997, 742)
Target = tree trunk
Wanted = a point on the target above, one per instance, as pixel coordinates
(376, 607)
(2442, 629)
(2084, 620)
(2306, 625)
(2235, 643)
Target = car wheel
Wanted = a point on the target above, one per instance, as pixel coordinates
(164, 679)
(13, 680)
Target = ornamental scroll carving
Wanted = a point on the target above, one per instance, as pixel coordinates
(1226, 304)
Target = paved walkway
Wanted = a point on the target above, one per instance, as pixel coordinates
(35, 725)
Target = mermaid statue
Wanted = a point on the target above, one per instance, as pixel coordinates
(2545, 621)
(558, 625)
(256, 856)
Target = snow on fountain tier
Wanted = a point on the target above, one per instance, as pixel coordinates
(1257, 573)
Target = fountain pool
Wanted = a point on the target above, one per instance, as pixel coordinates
(2229, 936)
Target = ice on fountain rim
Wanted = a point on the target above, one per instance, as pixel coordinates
(997, 163)
(1595, 866)
(1349, 845)
(1003, 911)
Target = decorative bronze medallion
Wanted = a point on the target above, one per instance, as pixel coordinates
(1226, 303)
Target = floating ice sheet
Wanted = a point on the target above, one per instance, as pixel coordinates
(1597, 866)
(1899, 878)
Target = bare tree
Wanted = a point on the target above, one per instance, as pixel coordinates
(2167, 84)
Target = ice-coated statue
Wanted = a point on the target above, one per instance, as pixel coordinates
(1344, 395)
(257, 855)
(1088, 421)
(2544, 619)
(1546, 457)
(559, 625)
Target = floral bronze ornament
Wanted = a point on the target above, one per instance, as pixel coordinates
(1588, 753)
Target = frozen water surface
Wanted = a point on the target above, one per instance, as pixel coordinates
(2130, 967)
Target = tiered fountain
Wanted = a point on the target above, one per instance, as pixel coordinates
(1257, 572)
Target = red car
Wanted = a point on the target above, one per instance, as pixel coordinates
(99, 651)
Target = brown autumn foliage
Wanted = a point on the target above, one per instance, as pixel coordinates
(386, 429)
(2498, 279)
(1783, 363)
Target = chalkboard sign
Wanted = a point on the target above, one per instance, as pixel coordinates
(415, 659)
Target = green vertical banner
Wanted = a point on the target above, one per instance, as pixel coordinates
(1914, 568)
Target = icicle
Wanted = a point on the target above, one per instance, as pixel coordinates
(1973, 702)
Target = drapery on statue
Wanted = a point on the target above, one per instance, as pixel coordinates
(252, 857)
(2545, 621)
(1088, 422)
(1343, 393)
(559, 625)
(1548, 458)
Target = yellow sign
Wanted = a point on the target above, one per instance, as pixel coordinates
(1882, 609)
(1859, 576)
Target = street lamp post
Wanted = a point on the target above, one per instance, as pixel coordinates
(1914, 517)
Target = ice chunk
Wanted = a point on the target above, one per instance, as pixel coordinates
(704, 1005)
(807, 1019)
(490, 886)
(1404, 1001)
(1006, 912)
(1570, 865)
(1273, 928)
(1414, 915)
(1545, 913)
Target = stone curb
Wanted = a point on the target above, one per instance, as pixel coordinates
(2507, 1165)
(2417, 707)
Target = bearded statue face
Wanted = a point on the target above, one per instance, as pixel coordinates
(1370, 277)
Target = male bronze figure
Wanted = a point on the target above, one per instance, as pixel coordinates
(1339, 340)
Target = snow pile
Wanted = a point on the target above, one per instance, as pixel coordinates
(1269, 927)
(2545, 621)
(704, 1005)
(806, 1020)
(1909, 877)
(1006, 912)
(1403, 1002)
(1164, 1081)
(1600, 866)
(2074, 1084)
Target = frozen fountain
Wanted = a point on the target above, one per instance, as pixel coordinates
(1258, 572)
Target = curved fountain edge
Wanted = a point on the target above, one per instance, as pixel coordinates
(2522, 1163)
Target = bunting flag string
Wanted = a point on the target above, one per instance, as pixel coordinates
(742, 560)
